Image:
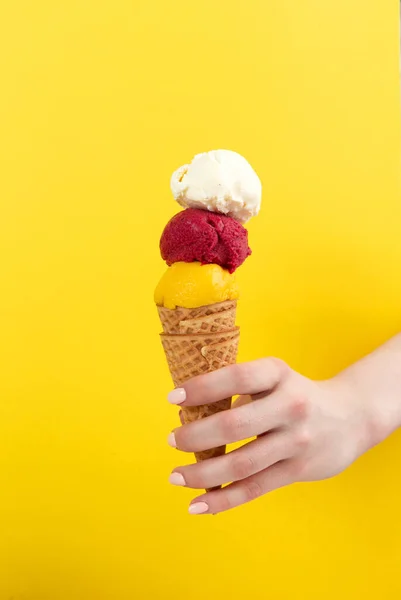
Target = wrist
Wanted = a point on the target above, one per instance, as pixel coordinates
(378, 414)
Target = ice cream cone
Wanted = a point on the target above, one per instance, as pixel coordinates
(198, 341)
(205, 319)
(203, 246)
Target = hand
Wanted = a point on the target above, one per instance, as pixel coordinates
(306, 430)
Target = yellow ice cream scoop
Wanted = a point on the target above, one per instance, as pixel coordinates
(191, 285)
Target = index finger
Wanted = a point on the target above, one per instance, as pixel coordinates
(245, 378)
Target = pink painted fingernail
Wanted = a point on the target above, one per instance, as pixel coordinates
(177, 396)
(198, 508)
(171, 440)
(177, 479)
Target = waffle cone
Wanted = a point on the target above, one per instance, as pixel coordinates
(198, 341)
(205, 319)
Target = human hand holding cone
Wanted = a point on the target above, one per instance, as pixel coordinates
(197, 296)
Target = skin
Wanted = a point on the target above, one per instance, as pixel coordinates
(303, 430)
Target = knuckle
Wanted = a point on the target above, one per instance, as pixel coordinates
(277, 364)
(244, 376)
(242, 467)
(196, 476)
(230, 424)
(299, 407)
(302, 439)
(221, 503)
(252, 490)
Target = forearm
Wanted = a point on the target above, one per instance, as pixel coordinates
(376, 379)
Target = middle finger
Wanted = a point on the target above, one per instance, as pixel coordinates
(234, 425)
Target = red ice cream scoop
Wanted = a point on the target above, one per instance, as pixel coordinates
(206, 237)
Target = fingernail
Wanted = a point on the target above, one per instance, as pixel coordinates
(198, 508)
(177, 396)
(177, 479)
(171, 440)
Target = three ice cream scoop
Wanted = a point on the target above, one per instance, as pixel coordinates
(204, 244)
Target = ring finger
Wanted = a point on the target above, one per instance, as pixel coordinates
(251, 458)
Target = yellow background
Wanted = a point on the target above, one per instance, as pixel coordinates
(100, 101)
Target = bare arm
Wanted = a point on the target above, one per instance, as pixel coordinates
(376, 379)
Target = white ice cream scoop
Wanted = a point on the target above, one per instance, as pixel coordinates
(221, 181)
